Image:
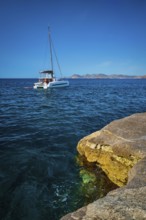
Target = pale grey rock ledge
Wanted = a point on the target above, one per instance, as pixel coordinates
(127, 202)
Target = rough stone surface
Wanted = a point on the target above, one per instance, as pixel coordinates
(118, 146)
(120, 149)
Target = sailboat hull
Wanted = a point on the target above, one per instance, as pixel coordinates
(61, 83)
(54, 84)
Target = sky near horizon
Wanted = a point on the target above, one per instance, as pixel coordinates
(90, 36)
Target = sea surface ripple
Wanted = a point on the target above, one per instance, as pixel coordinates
(39, 132)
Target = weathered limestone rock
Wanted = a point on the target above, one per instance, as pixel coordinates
(117, 147)
(120, 149)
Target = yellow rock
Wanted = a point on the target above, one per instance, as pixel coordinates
(116, 148)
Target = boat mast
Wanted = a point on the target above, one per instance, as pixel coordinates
(50, 49)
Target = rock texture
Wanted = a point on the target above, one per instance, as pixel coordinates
(120, 149)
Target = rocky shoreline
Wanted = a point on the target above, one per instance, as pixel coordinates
(120, 150)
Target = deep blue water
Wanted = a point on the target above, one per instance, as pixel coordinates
(39, 132)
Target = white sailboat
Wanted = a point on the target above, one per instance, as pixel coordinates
(47, 79)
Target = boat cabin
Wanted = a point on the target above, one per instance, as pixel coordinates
(47, 76)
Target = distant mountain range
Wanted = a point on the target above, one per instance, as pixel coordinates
(105, 76)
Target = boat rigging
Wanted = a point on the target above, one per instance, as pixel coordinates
(47, 79)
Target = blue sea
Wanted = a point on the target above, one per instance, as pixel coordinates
(40, 178)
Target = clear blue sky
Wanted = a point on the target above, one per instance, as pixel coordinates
(90, 36)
